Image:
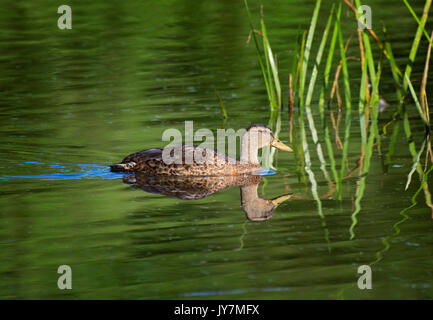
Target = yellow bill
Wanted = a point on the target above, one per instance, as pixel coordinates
(279, 145)
(279, 200)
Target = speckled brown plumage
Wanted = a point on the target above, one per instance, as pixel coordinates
(150, 162)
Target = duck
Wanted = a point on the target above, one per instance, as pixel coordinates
(194, 188)
(173, 161)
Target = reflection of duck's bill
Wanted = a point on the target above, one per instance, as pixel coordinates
(279, 200)
(276, 143)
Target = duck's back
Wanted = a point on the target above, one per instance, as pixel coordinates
(185, 160)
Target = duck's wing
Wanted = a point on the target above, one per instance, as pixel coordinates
(183, 158)
(135, 161)
(145, 154)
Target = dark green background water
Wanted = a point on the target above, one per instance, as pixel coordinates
(73, 101)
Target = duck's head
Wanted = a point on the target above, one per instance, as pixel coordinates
(258, 136)
(265, 137)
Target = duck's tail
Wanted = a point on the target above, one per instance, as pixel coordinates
(123, 167)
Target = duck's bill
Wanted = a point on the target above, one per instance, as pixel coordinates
(279, 145)
(279, 200)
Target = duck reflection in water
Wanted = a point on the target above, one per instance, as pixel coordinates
(194, 188)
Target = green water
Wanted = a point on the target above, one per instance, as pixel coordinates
(74, 101)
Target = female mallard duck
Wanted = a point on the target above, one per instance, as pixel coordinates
(188, 160)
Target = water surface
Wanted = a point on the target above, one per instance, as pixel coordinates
(74, 101)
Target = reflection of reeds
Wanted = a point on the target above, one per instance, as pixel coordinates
(339, 91)
(367, 147)
(405, 216)
(325, 87)
(348, 101)
(301, 86)
(310, 96)
(407, 85)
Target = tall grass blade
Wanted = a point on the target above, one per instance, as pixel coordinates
(420, 23)
(272, 69)
(307, 51)
(259, 54)
(415, 99)
(415, 44)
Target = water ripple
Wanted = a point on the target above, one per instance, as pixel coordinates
(68, 171)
